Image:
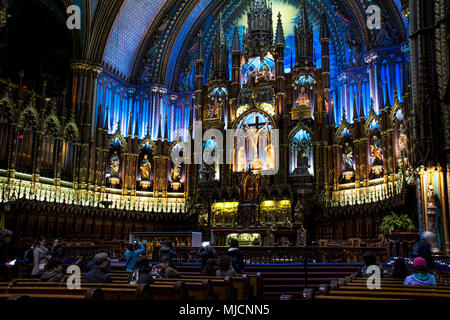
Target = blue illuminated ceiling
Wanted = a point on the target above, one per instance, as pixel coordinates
(234, 13)
(129, 30)
(128, 37)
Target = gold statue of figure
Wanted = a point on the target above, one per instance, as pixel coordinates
(146, 168)
(175, 174)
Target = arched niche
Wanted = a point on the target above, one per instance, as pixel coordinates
(346, 161)
(375, 150)
(210, 171)
(144, 181)
(400, 138)
(254, 147)
(177, 172)
(301, 161)
(114, 164)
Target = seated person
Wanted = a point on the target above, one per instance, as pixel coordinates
(141, 273)
(206, 253)
(225, 268)
(420, 276)
(54, 271)
(164, 270)
(400, 270)
(88, 266)
(98, 273)
(210, 268)
(369, 260)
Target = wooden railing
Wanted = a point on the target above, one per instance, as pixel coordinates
(253, 254)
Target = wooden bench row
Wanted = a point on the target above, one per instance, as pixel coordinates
(352, 288)
(185, 288)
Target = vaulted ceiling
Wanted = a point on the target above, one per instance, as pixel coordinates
(120, 34)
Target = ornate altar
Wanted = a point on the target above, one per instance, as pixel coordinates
(179, 239)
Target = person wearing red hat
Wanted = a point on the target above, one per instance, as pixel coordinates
(420, 276)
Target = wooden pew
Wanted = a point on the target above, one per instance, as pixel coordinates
(391, 289)
(97, 291)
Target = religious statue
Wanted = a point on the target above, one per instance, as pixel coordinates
(340, 13)
(252, 77)
(265, 74)
(354, 45)
(208, 172)
(253, 135)
(376, 149)
(242, 159)
(347, 156)
(431, 201)
(385, 34)
(114, 165)
(403, 142)
(146, 167)
(299, 215)
(270, 157)
(175, 173)
(302, 161)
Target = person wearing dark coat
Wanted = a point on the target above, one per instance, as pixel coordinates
(168, 251)
(5, 254)
(369, 260)
(98, 273)
(91, 264)
(235, 255)
(141, 273)
(423, 249)
(54, 271)
(58, 251)
(206, 253)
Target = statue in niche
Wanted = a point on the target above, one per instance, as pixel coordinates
(175, 173)
(386, 35)
(270, 157)
(114, 165)
(146, 168)
(340, 13)
(208, 172)
(242, 159)
(252, 77)
(146, 74)
(431, 201)
(265, 74)
(302, 161)
(299, 215)
(214, 107)
(302, 154)
(354, 45)
(347, 156)
(403, 142)
(376, 149)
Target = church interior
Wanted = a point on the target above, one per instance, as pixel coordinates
(309, 131)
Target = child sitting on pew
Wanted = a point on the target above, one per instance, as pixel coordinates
(225, 268)
(54, 271)
(420, 276)
(141, 273)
